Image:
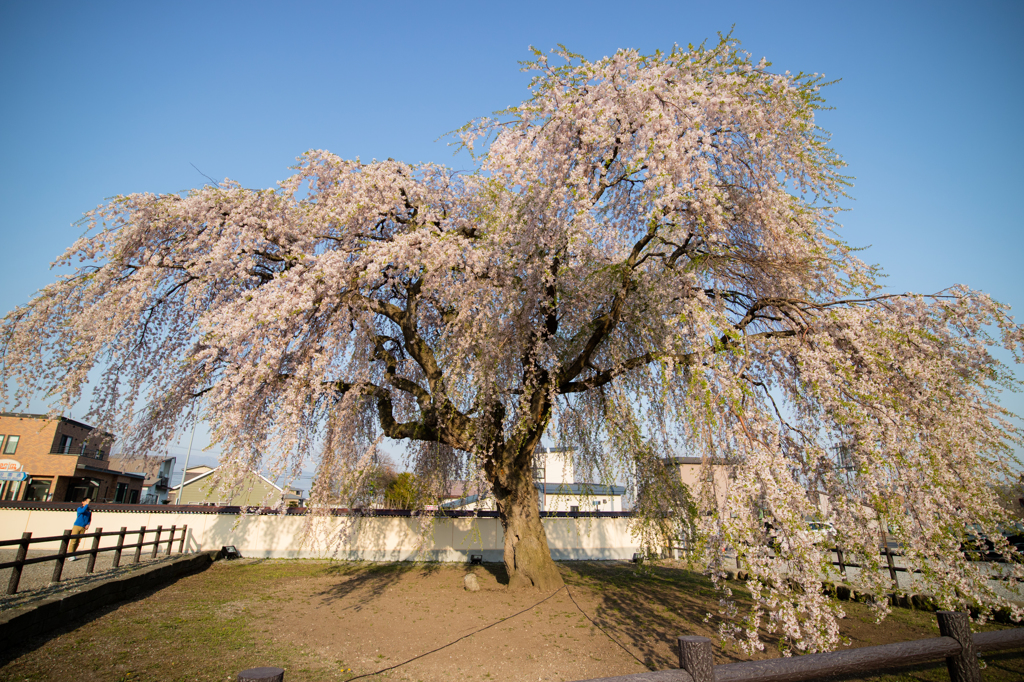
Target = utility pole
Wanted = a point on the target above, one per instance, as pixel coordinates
(181, 486)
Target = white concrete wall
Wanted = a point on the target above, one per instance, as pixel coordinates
(346, 537)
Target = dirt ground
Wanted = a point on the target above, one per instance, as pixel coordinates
(413, 621)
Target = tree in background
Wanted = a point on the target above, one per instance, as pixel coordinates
(403, 492)
(643, 263)
(379, 479)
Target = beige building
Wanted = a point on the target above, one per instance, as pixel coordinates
(693, 474)
(200, 488)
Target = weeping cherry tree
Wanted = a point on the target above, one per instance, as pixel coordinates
(643, 263)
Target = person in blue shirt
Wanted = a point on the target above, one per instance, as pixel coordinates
(82, 521)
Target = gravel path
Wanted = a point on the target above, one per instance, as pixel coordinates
(35, 578)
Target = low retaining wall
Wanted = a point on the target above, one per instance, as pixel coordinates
(350, 537)
(39, 617)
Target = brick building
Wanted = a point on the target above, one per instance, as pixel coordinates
(59, 459)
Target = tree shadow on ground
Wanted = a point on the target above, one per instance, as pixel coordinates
(498, 570)
(367, 581)
(645, 610)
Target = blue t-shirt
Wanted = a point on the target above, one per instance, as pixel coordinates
(84, 517)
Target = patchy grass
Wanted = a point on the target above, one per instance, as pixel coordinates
(327, 621)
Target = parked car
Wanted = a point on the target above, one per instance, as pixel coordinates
(817, 533)
(822, 532)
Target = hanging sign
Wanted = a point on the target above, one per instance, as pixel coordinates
(10, 465)
(13, 475)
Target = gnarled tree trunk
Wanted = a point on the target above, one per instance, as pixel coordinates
(527, 556)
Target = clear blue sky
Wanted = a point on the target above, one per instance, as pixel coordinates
(106, 98)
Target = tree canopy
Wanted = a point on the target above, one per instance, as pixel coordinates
(644, 262)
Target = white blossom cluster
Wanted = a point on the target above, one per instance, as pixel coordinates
(643, 264)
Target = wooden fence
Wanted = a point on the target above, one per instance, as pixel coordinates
(957, 646)
(63, 554)
(842, 564)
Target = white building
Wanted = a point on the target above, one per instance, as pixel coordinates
(558, 486)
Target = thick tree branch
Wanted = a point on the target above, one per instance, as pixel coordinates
(603, 325)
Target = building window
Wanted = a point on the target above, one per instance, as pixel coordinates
(65, 445)
(81, 488)
(122, 492)
(38, 491)
(10, 490)
(574, 509)
(12, 445)
(133, 496)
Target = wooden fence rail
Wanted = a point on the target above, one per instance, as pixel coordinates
(957, 645)
(842, 564)
(63, 554)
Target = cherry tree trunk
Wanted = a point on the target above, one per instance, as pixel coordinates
(527, 557)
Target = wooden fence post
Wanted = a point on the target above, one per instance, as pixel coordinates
(695, 657)
(184, 534)
(170, 541)
(964, 666)
(156, 542)
(95, 546)
(120, 546)
(888, 558)
(61, 554)
(138, 545)
(892, 567)
(261, 675)
(12, 585)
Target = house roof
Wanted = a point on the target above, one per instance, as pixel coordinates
(207, 473)
(110, 471)
(460, 489)
(581, 489)
(461, 501)
(692, 460)
(58, 418)
(149, 466)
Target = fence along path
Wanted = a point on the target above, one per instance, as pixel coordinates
(22, 559)
(957, 646)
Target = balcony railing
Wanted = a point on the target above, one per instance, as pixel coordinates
(81, 451)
